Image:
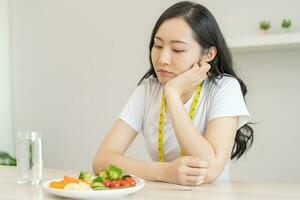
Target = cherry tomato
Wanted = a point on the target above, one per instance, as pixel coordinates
(131, 181)
(125, 183)
(128, 182)
(115, 183)
(107, 183)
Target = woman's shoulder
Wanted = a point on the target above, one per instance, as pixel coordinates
(223, 84)
(223, 81)
(149, 90)
(226, 79)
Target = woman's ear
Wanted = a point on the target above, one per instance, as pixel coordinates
(210, 55)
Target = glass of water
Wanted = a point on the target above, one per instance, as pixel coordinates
(29, 157)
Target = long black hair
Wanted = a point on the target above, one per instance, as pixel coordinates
(207, 33)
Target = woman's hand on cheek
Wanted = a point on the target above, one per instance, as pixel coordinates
(188, 80)
(187, 170)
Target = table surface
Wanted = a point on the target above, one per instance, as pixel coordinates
(9, 189)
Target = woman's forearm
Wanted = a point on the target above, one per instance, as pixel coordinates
(191, 142)
(145, 169)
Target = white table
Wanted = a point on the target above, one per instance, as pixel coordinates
(9, 189)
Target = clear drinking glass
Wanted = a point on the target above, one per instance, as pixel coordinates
(29, 157)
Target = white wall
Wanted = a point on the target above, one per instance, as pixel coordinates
(76, 62)
(6, 118)
(273, 99)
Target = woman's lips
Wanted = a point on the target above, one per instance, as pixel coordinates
(164, 73)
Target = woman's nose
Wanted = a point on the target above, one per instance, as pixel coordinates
(164, 57)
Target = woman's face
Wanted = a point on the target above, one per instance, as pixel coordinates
(174, 50)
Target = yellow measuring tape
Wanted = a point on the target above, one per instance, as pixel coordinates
(161, 121)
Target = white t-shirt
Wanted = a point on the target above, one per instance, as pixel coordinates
(141, 112)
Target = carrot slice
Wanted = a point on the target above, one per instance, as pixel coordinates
(69, 179)
(57, 185)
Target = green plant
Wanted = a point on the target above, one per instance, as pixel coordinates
(286, 23)
(6, 159)
(264, 25)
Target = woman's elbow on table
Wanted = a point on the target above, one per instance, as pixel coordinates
(209, 178)
(213, 173)
(98, 164)
(95, 166)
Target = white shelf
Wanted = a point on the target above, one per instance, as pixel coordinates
(265, 42)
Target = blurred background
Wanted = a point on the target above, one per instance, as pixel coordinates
(67, 68)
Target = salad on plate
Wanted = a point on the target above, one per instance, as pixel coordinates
(110, 178)
(110, 183)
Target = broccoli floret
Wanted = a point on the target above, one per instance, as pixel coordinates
(85, 176)
(98, 186)
(114, 172)
(103, 174)
(98, 179)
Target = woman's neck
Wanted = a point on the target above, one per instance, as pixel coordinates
(184, 98)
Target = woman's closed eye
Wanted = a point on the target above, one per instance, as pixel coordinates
(157, 46)
(174, 50)
(178, 50)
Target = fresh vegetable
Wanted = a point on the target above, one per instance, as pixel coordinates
(98, 186)
(131, 182)
(114, 172)
(84, 175)
(98, 179)
(67, 179)
(115, 183)
(126, 176)
(103, 174)
(57, 185)
(107, 183)
(78, 186)
(126, 182)
(112, 177)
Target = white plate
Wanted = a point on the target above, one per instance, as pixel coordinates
(99, 194)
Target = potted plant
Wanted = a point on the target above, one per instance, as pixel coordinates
(286, 24)
(264, 26)
(6, 159)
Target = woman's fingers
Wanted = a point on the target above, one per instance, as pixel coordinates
(190, 171)
(200, 71)
(197, 69)
(194, 161)
(191, 180)
(193, 170)
(194, 183)
(204, 66)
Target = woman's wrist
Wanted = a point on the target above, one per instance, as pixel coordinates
(171, 93)
(159, 170)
